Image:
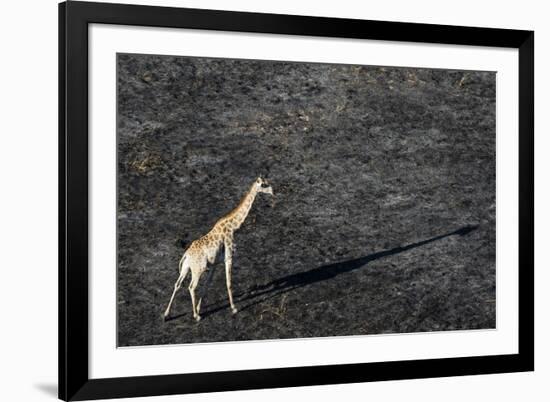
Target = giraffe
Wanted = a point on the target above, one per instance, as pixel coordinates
(204, 250)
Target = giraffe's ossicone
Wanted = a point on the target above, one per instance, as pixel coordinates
(204, 250)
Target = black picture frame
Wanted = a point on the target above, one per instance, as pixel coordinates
(74, 381)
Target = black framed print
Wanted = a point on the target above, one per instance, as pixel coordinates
(258, 200)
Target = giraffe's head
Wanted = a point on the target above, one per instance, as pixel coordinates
(262, 186)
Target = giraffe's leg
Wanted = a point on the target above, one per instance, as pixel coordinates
(228, 263)
(199, 306)
(177, 287)
(202, 294)
(192, 288)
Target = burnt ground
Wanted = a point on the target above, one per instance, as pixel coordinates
(383, 219)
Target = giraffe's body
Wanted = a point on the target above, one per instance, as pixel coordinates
(204, 250)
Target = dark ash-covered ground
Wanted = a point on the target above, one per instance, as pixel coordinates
(383, 219)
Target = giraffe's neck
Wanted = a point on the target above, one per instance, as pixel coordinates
(240, 213)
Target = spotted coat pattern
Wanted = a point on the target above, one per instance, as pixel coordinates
(204, 250)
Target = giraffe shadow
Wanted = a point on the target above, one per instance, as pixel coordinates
(288, 283)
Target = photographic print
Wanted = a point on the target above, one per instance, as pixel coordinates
(263, 199)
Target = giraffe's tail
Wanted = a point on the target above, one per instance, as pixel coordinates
(181, 243)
